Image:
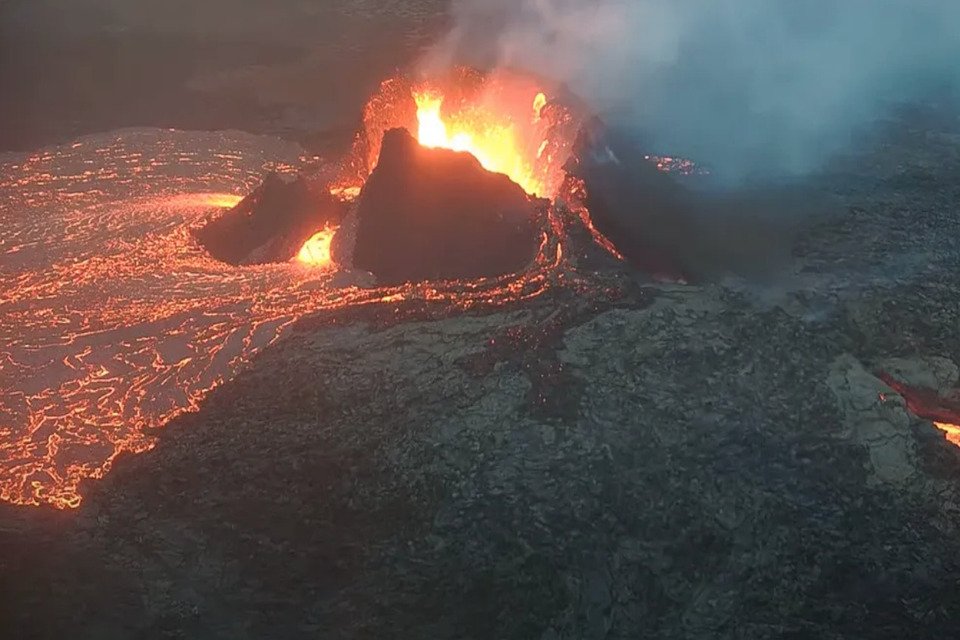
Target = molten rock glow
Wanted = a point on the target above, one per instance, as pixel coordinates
(316, 251)
(943, 412)
(489, 136)
(114, 320)
(513, 124)
(952, 431)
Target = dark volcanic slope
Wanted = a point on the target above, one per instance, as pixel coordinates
(436, 214)
(696, 463)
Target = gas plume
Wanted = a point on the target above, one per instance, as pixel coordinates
(752, 87)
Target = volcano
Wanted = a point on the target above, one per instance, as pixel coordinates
(445, 379)
(460, 177)
(452, 197)
(453, 178)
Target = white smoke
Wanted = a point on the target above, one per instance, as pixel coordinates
(773, 86)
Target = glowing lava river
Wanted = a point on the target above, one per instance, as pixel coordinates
(113, 320)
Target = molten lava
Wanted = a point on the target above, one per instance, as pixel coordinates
(508, 121)
(345, 194)
(220, 200)
(114, 321)
(489, 136)
(943, 412)
(315, 252)
(952, 431)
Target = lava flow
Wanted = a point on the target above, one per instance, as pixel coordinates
(113, 320)
(943, 412)
(316, 251)
(951, 431)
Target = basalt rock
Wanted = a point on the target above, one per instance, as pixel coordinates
(636, 207)
(665, 227)
(428, 214)
(271, 223)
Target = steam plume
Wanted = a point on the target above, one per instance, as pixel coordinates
(750, 86)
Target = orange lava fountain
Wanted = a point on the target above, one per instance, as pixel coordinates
(488, 136)
(505, 120)
(113, 321)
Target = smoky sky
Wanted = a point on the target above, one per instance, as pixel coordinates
(749, 86)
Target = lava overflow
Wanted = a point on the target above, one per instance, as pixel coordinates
(113, 321)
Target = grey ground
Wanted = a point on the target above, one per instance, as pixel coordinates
(699, 461)
(689, 462)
